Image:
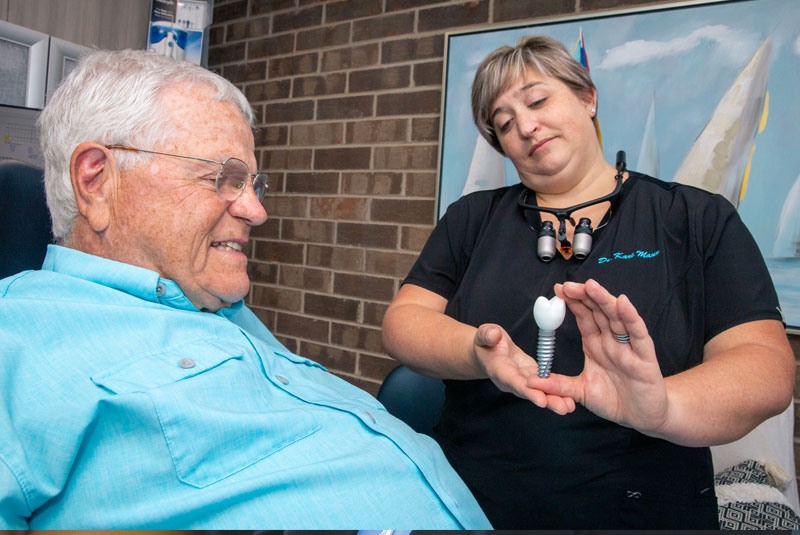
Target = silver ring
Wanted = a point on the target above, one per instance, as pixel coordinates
(622, 338)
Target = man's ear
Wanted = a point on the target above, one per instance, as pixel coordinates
(92, 178)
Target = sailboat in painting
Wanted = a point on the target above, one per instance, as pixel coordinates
(719, 161)
(787, 242)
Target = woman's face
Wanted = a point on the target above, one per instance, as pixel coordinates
(546, 130)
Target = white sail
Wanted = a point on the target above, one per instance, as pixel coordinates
(648, 153)
(718, 159)
(486, 169)
(787, 242)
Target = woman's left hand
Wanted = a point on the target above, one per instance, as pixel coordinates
(621, 382)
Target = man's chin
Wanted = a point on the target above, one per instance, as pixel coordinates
(213, 299)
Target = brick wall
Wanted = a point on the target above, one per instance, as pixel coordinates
(348, 100)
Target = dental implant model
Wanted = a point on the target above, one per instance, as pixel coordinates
(549, 315)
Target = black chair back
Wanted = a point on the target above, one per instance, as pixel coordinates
(25, 228)
(414, 398)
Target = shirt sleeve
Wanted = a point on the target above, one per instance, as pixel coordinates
(13, 508)
(738, 286)
(445, 257)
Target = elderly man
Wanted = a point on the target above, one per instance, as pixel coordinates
(137, 391)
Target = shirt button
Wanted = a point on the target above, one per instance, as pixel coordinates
(186, 363)
(160, 289)
(282, 379)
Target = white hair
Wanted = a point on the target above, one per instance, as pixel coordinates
(113, 97)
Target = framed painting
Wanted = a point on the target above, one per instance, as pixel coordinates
(701, 92)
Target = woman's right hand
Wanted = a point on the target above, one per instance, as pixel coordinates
(508, 367)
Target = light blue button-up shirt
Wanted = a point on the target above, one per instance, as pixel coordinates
(123, 406)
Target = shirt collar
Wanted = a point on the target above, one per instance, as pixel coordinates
(136, 281)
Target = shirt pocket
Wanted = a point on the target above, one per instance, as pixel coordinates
(217, 412)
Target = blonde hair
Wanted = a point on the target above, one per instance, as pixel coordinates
(500, 69)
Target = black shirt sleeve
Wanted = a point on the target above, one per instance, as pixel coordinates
(738, 287)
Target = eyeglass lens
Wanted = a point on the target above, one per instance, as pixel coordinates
(233, 177)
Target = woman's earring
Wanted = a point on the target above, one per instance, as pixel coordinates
(593, 110)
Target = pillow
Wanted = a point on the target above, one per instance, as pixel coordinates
(749, 497)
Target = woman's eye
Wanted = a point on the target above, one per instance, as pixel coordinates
(537, 103)
(505, 126)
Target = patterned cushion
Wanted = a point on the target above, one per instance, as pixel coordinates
(748, 499)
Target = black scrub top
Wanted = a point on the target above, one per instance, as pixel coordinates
(692, 270)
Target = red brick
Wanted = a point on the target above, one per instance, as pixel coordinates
(371, 387)
(274, 297)
(338, 258)
(225, 54)
(258, 7)
(414, 238)
(421, 185)
(250, 27)
(415, 103)
(331, 307)
(374, 312)
(293, 65)
(452, 16)
(323, 183)
(274, 251)
(296, 19)
(333, 358)
(399, 5)
(269, 47)
(304, 135)
(428, 74)
(302, 327)
(286, 159)
(274, 90)
(376, 367)
(339, 208)
(507, 10)
(270, 230)
(285, 112)
(372, 183)
(409, 157)
(367, 235)
(380, 79)
(307, 230)
(271, 136)
(430, 47)
(352, 336)
(289, 343)
(414, 212)
(286, 206)
(245, 72)
(335, 35)
(229, 11)
(318, 280)
(263, 272)
(391, 264)
(312, 86)
(382, 27)
(350, 58)
(377, 131)
(425, 129)
(345, 107)
(349, 10)
(216, 35)
(344, 158)
(364, 286)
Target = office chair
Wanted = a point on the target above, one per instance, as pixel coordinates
(413, 398)
(24, 218)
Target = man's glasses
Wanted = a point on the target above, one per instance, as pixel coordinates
(231, 177)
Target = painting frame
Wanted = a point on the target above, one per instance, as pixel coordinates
(666, 47)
